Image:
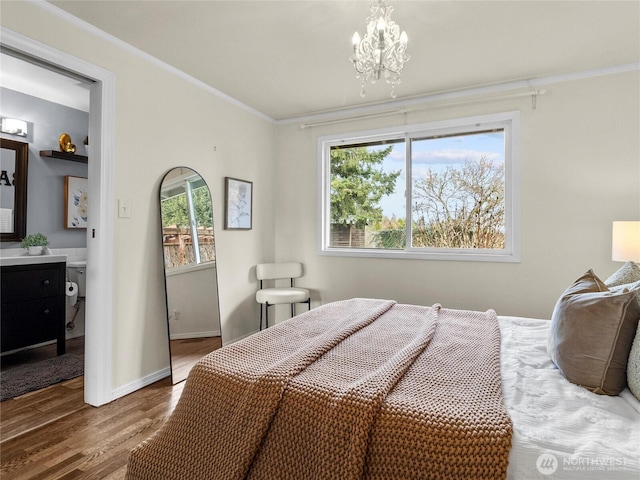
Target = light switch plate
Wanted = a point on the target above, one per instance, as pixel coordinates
(124, 208)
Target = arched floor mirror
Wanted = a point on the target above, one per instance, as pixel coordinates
(190, 273)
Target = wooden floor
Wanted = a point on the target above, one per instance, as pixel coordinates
(186, 352)
(66, 398)
(53, 434)
(80, 441)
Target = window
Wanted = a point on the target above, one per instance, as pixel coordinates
(187, 223)
(444, 190)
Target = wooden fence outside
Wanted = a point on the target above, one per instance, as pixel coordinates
(178, 247)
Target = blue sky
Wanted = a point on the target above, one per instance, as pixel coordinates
(438, 154)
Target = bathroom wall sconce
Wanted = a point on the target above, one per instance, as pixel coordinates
(13, 126)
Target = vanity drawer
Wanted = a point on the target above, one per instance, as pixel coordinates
(27, 282)
(31, 322)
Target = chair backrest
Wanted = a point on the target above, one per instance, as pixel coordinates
(274, 271)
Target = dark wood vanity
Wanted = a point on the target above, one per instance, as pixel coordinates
(33, 305)
(32, 292)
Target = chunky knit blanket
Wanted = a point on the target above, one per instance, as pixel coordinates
(354, 389)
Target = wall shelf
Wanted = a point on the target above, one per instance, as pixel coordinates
(64, 156)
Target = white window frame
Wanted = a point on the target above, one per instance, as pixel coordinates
(509, 121)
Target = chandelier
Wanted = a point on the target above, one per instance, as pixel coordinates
(382, 51)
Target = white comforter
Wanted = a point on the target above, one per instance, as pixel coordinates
(561, 430)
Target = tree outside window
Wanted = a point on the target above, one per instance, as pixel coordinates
(459, 198)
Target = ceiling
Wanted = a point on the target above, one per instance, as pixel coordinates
(34, 80)
(288, 59)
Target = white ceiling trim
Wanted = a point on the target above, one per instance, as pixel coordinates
(402, 111)
(364, 110)
(458, 97)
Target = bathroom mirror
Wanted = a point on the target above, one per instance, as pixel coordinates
(14, 158)
(190, 273)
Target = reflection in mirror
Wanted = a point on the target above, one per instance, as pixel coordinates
(191, 283)
(14, 160)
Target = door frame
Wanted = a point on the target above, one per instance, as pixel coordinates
(98, 388)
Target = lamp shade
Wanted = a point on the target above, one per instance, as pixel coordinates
(625, 242)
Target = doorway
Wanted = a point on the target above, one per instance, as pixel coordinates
(49, 102)
(99, 307)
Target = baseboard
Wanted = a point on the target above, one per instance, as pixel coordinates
(140, 383)
(182, 336)
(239, 338)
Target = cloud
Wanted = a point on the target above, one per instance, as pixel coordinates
(396, 155)
(452, 156)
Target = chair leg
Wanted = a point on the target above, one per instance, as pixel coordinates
(266, 309)
(293, 311)
(293, 305)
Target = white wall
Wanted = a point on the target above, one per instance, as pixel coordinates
(192, 302)
(580, 170)
(220, 140)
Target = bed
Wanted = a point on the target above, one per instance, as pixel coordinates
(587, 435)
(367, 388)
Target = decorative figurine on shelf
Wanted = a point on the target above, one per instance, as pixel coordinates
(65, 144)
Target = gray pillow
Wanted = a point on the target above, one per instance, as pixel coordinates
(591, 333)
(628, 273)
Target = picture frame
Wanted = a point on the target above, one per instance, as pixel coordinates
(75, 202)
(238, 204)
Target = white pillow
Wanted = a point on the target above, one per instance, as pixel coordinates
(633, 366)
(628, 286)
(628, 273)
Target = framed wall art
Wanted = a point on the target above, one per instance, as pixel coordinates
(75, 202)
(238, 204)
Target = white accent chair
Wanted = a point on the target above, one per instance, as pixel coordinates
(280, 295)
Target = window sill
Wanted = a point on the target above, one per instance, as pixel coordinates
(466, 256)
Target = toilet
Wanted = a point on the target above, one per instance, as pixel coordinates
(76, 272)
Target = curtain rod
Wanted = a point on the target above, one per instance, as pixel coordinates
(532, 93)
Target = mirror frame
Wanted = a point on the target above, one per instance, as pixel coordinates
(175, 380)
(20, 193)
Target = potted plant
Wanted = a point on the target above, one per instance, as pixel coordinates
(34, 243)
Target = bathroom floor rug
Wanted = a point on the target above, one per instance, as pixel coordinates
(34, 376)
